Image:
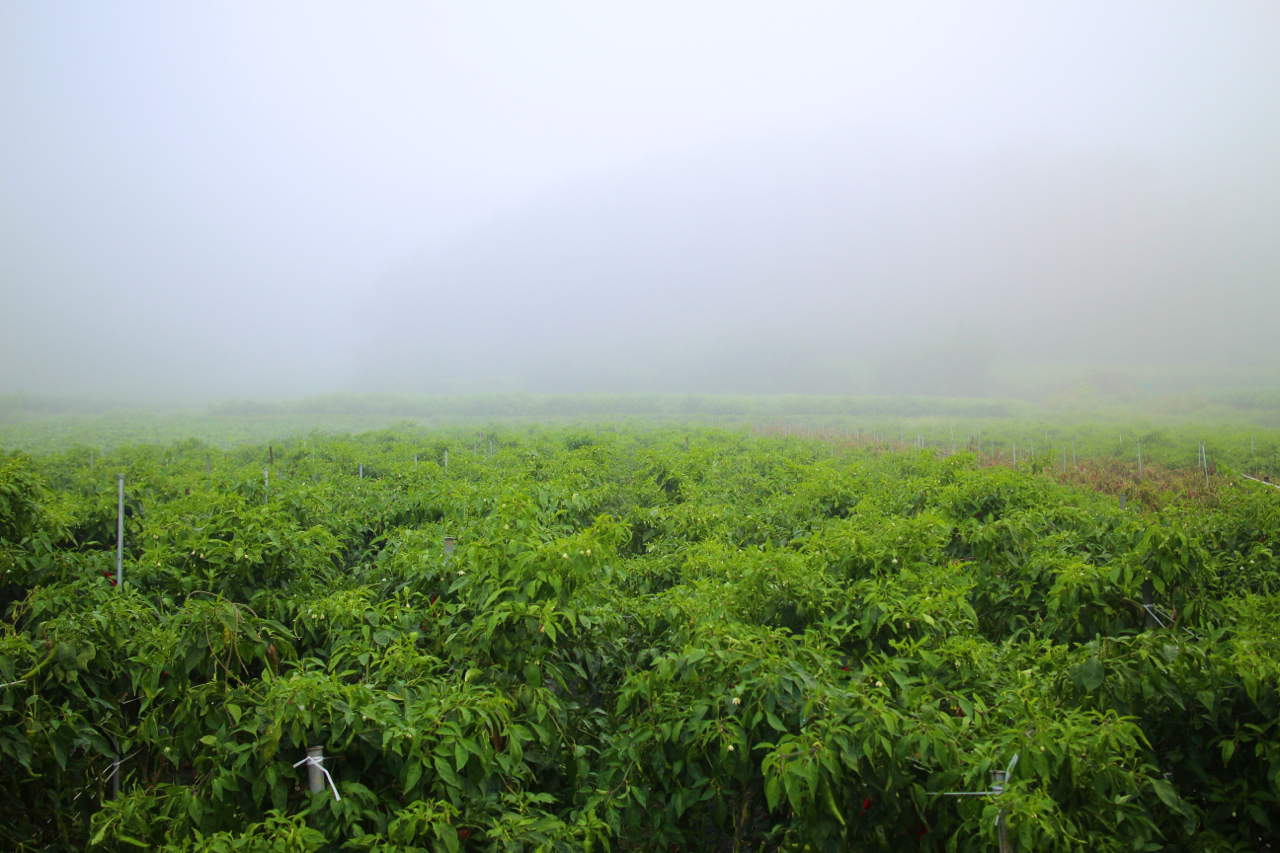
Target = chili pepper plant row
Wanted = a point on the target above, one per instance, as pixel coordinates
(639, 640)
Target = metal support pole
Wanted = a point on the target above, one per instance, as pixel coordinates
(1148, 599)
(120, 531)
(115, 771)
(315, 776)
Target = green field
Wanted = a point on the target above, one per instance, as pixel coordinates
(800, 630)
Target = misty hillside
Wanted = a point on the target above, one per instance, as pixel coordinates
(843, 265)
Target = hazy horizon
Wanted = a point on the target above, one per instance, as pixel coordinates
(200, 203)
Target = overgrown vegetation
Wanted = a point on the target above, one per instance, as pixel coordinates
(643, 640)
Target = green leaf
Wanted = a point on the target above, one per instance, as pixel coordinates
(448, 835)
(412, 776)
(446, 771)
(1167, 795)
(773, 791)
(1091, 674)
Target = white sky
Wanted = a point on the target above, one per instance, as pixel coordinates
(206, 194)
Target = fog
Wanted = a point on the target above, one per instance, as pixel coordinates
(245, 200)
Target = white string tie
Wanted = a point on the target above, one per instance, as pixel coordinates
(318, 761)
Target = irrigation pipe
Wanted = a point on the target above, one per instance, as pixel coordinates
(1263, 482)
